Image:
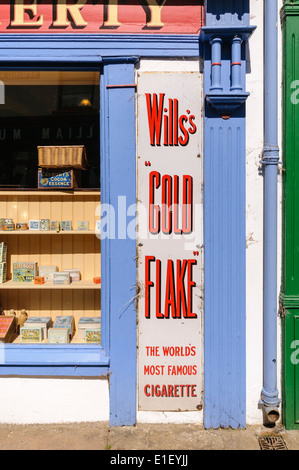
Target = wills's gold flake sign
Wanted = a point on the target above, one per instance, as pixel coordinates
(170, 241)
(101, 16)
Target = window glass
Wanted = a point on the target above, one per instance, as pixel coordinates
(50, 247)
(47, 108)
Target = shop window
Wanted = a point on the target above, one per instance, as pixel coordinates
(45, 109)
(49, 216)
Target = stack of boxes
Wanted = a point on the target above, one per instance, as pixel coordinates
(35, 329)
(3, 255)
(60, 166)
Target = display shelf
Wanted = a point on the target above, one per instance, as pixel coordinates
(64, 249)
(49, 232)
(50, 192)
(75, 340)
(84, 284)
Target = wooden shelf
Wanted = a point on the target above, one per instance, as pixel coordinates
(63, 249)
(58, 192)
(84, 284)
(49, 232)
(75, 340)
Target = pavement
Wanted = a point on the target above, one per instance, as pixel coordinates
(144, 439)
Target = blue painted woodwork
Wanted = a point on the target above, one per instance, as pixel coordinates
(115, 57)
(121, 170)
(236, 65)
(227, 13)
(225, 302)
(89, 48)
(224, 211)
(227, 23)
(216, 64)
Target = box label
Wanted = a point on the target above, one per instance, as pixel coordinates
(55, 179)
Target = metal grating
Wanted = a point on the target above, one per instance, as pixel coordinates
(272, 442)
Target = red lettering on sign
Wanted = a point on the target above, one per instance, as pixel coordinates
(178, 290)
(171, 122)
(170, 291)
(155, 113)
(170, 203)
(177, 390)
(154, 210)
(158, 289)
(166, 204)
(181, 297)
(148, 284)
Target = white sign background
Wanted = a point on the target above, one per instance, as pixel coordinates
(170, 359)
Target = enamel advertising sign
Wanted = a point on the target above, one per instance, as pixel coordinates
(170, 241)
(101, 16)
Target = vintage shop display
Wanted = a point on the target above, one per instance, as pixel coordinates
(61, 166)
(3, 270)
(83, 225)
(21, 319)
(9, 226)
(34, 329)
(66, 225)
(24, 272)
(22, 226)
(37, 329)
(58, 335)
(31, 335)
(55, 225)
(61, 278)
(3, 252)
(65, 321)
(34, 224)
(74, 274)
(58, 179)
(7, 328)
(73, 156)
(88, 323)
(47, 272)
(3, 265)
(39, 322)
(92, 335)
(45, 224)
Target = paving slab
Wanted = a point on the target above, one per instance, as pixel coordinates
(142, 437)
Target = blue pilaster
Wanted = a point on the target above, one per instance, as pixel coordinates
(227, 24)
(119, 188)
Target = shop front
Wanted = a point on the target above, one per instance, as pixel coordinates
(122, 193)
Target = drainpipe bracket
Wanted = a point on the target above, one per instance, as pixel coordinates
(269, 161)
(269, 400)
(271, 156)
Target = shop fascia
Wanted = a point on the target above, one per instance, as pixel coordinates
(24, 15)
